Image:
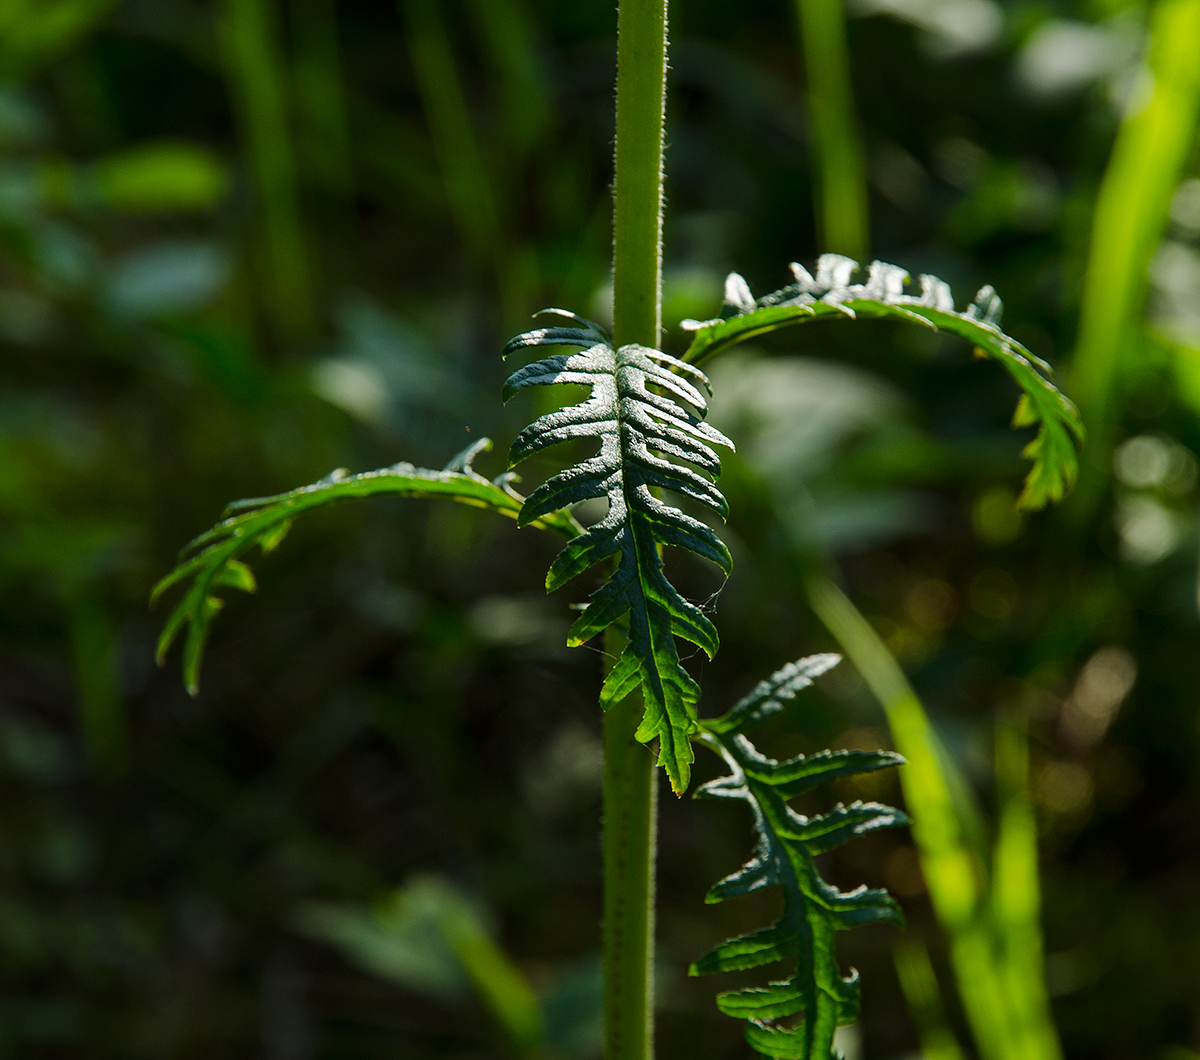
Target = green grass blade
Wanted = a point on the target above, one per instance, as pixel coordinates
(831, 295)
(427, 936)
(1152, 146)
(841, 171)
(506, 36)
(1016, 894)
(955, 877)
(919, 983)
(321, 95)
(103, 715)
(464, 172)
(250, 39)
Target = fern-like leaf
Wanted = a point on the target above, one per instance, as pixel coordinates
(646, 409)
(832, 294)
(213, 560)
(787, 844)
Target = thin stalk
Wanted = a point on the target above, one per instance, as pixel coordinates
(251, 43)
(841, 172)
(630, 788)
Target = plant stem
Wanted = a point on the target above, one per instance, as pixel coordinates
(841, 172)
(630, 826)
(638, 198)
(630, 788)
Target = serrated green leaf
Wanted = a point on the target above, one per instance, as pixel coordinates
(1054, 451)
(786, 845)
(212, 559)
(769, 1002)
(772, 695)
(646, 409)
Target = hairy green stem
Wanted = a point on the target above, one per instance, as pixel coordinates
(841, 173)
(630, 825)
(630, 803)
(638, 197)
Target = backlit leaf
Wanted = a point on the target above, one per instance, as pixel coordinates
(816, 998)
(646, 409)
(211, 561)
(832, 295)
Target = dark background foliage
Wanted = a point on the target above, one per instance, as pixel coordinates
(234, 256)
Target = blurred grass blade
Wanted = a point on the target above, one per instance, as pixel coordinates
(914, 969)
(1016, 893)
(507, 38)
(102, 712)
(428, 937)
(952, 875)
(500, 983)
(249, 35)
(464, 172)
(1147, 160)
(33, 33)
(840, 172)
(321, 95)
(957, 880)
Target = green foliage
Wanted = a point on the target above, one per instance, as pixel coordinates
(429, 937)
(642, 403)
(831, 295)
(788, 843)
(35, 31)
(212, 560)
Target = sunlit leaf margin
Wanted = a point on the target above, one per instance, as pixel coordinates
(644, 407)
(784, 856)
(1054, 451)
(213, 561)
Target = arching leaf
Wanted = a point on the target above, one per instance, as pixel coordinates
(883, 295)
(211, 561)
(646, 410)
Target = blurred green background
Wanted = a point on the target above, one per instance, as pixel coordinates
(244, 243)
